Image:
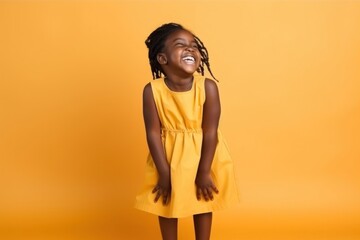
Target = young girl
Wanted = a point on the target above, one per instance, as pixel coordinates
(189, 171)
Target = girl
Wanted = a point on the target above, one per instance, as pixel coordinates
(188, 168)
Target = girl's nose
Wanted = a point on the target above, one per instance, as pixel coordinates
(190, 48)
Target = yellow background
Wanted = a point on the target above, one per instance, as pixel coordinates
(72, 143)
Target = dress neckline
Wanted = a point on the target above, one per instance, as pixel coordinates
(179, 92)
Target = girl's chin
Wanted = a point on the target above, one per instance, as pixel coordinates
(190, 70)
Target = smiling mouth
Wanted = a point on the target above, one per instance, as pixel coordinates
(189, 59)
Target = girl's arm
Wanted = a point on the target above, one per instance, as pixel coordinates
(153, 136)
(211, 115)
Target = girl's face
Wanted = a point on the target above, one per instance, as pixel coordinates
(181, 54)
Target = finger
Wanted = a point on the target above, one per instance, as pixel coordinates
(209, 191)
(156, 188)
(198, 193)
(165, 198)
(205, 194)
(214, 188)
(157, 196)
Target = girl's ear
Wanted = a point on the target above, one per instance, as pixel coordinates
(161, 58)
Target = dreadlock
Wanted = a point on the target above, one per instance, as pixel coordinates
(155, 43)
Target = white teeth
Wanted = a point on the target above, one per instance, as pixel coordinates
(189, 59)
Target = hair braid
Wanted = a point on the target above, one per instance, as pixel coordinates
(155, 43)
(204, 57)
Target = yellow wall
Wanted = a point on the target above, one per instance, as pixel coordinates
(72, 144)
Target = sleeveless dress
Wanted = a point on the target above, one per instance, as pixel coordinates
(180, 114)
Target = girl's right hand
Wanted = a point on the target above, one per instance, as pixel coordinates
(163, 188)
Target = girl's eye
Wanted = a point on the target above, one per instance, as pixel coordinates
(195, 46)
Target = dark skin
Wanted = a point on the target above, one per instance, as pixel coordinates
(179, 77)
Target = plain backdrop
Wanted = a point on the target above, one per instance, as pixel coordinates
(72, 140)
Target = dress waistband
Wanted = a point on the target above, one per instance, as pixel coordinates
(182, 130)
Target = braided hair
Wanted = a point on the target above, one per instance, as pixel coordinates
(156, 41)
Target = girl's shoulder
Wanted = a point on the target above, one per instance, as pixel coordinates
(208, 83)
(153, 83)
(210, 86)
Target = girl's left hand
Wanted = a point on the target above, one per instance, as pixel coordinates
(205, 186)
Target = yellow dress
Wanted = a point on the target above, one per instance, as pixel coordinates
(180, 114)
